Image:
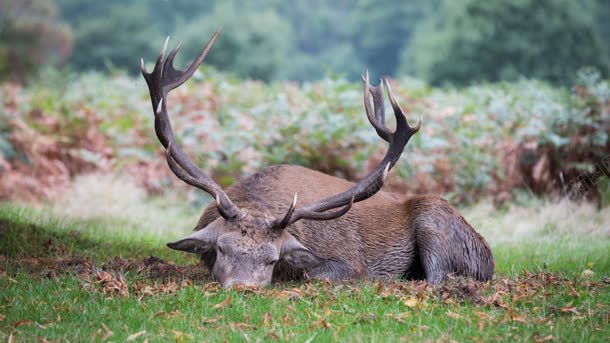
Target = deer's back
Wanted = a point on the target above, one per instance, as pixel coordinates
(358, 237)
(273, 188)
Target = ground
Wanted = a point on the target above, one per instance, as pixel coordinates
(70, 278)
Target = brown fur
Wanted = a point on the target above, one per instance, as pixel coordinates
(386, 236)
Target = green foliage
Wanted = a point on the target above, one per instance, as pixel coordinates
(602, 10)
(252, 45)
(322, 42)
(233, 128)
(459, 42)
(114, 34)
(440, 41)
(381, 29)
(475, 40)
(475, 130)
(31, 35)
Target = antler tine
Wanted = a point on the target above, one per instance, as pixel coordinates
(179, 77)
(161, 81)
(397, 109)
(158, 63)
(377, 116)
(290, 218)
(372, 183)
(168, 65)
(279, 225)
(314, 215)
(377, 92)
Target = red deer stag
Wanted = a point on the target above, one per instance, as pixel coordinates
(256, 232)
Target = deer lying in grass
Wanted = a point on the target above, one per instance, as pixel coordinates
(256, 232)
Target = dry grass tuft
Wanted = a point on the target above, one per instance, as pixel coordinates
(118, 198)
(541, 220)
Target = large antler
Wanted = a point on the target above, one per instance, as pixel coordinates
(161, 81)
(371, 183)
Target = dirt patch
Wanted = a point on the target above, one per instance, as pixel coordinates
(155, 268)
(150, 267)
(147, 277)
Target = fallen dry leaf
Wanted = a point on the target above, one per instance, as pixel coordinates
(22, 322)
(572, 290)
(320, 323)
(107, 332)
(411, 302)
(223, 304)
(135, 335)
(453, 315)
(211, 320)
(543, 339)
(400, 317)
(273, 335)
(482, 315)
(248, 289)
(288, 320)
(570, 309)
(520, 319)
(242, 326)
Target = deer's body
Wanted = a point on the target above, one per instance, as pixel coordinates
(341, 230)
(387, 236)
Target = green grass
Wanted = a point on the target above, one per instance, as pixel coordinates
(53, 287)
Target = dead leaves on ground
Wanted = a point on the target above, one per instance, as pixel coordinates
(148, 277)
(153, 276)
(516, 298)
(111, 284)
(530, 299)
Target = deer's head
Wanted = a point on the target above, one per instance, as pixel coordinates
(247, 244)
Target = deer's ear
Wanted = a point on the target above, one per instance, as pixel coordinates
(198, 242)
(190, 245)
(297, 255)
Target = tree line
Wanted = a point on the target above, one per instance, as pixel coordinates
(440, 41)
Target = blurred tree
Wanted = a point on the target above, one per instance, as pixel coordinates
(253, 44)
(170, 14)
(603, 19)
(111, 34)
(30, 35)
(476, 40)
(380, 29)
(321, 39)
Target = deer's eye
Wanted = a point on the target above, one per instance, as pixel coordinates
(220, 250)
(271, 262)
